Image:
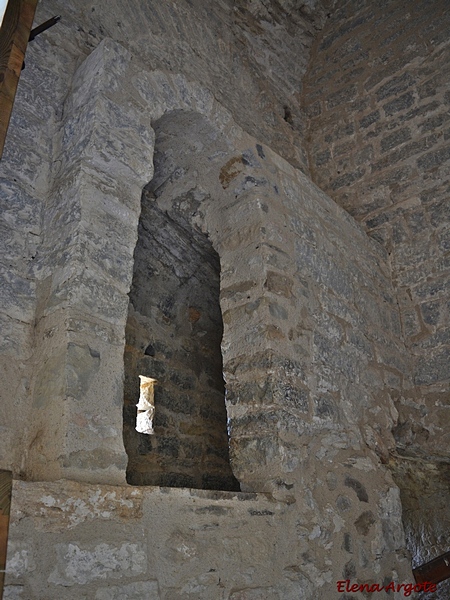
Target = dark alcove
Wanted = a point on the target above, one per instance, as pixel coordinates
(173, 334)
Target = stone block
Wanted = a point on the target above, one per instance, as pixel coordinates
(21, 559)
(19, 247)
(431, 312)
(100, 331)
(434, 123)
(16, 338)
(255, 594)
(401, 103)
(279, 284)
(19, 208)
(33, 169)
(439, 212)
(98, 298)
(357, 487)
(43, 75)
(390, 177)
(394, 139)
(340, 97)
(434, 159)
(406, 151)
(434, 368)
(369, 119)
(57, 510)
(100, 72)
(79, 564)
(140, 590)
(364, 522)
(326, 408)
(337, 358)
(17, 295)
(394, 86)
(435, 288)
(82, 367)
(87, 464)
(31, 98)
(13, 592)
(347, 179)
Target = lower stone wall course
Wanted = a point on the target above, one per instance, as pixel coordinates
(72, 541)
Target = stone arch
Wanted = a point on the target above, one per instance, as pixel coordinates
(107, 144)
(174, 326)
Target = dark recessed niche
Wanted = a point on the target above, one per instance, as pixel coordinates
(173, 334)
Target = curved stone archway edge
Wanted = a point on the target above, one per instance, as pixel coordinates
(107, 142)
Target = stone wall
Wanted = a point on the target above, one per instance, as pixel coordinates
(311, 356)
(377, 97)
(127, 543)
(27, 150)
(213, 45)
(314, 360)
(305, 425)
(252, 53)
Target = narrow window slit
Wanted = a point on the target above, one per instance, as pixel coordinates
(146, 405)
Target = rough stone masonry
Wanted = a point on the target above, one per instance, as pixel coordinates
(247, 202)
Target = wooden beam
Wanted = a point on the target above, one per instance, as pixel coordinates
(14, 34)
(435, 571)
(5, 504)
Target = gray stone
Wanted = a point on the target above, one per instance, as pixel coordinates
(358, 487)
(369, 119)
(318, 370)
(434, 159)
(13, 592)
(396, 138)
(141, 590)
(399, 104)
(394, 86)
(83, 364)
(364, 522)
(434, 368)
(77, 565)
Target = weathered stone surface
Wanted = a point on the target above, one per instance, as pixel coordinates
(61, 509)
(403, 197)
(145, 590)
(190, 544)
(21, 559)
(319, 363)
(255, 594)
(13, 592)
(434, 369)
(80, 565)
